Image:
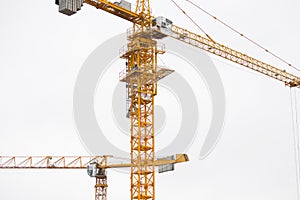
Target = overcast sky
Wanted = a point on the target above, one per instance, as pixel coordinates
(41, 54)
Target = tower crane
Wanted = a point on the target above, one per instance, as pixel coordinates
(141, 75)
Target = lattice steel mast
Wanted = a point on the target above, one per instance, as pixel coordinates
(141, 80)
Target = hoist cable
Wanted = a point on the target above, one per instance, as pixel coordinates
(191, 19)
(242, 35)
(296, 140)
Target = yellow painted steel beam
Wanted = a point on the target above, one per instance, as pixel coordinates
(49, 162)
(227, 53)
(115, 10)
(74, 162)
(141, 92)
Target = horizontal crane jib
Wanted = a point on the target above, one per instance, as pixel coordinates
(75, 162)
(234, 56)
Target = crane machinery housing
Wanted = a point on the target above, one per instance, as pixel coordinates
(141, 75)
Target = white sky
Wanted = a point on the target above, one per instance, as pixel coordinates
(41, 52)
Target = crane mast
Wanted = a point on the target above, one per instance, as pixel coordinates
(141, 93)
(141, 82)
(141, 55)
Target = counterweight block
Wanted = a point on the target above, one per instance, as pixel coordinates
(69, 7)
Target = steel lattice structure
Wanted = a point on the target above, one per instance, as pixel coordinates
(141, 76)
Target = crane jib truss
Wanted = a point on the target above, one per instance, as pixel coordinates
(76, 162)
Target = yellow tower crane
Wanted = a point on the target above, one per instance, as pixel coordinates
(141, 76)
